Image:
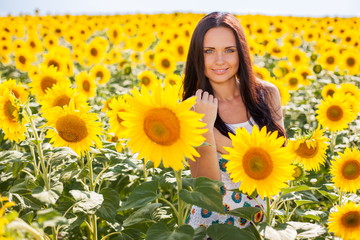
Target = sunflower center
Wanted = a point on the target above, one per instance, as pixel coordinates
(54, 63)
(351, 169)
(119, 119)
(257, 163)
(86, 85)
(297, 58)
(47, 82)
(9, 110)
(330, 60)
(180, 50)
(162, 126)
(62, 101)
(293, 81)
(22, 59)
(334, 113)
(306, 152)
(165, 63)
(16, 94)
(351, 219)
(145, 81)
(330, 92)
(71, 128)
(93, 52)
(115, 34)
(99, 74)
(350, 62)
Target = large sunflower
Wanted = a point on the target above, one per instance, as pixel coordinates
(346, 170)
(12, 124)
(160, 128)
(72, 128)
(310, 149)
(259, 161)
(334, 113)
(345, 222)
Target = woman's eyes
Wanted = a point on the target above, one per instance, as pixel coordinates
(228, 50)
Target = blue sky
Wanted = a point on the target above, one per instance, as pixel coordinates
(313, 8)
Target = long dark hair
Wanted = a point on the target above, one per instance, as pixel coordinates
(254, 95)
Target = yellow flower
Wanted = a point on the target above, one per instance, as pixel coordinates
(11, 122)
(334, 113)
(162, 129)
(24, 59)
(350, 89)
(329, 60)
(147, 78)
(100, 73)
(283, 90)
(172, 79)
(261, 72)
(345, 222)
(310, 149)
(293, 80)
(45, 79)
(345, 170)
(350, 62)
(329, 90)
(259, 161)
(86, 84)
(60, 95)
(115, 34)
(73, 128)
(116, 105)
(298, 58)
(19, 91)
(164, 62)
(96, 50)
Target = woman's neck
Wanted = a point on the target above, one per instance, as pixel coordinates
(227, 91)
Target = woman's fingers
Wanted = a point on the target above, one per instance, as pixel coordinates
(205, 96)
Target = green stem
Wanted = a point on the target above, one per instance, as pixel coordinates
(268, 212)
(340, 197)
(40, 150)
(93, 219)
(332, 142)
(181, 217)
(171, 205)
(109, 235)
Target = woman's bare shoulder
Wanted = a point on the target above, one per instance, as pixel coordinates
(268, 86)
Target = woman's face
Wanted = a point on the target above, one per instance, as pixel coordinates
(220, 55)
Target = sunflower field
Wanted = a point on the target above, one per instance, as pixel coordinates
(94, 139)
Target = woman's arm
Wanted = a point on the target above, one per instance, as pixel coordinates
(207, 164)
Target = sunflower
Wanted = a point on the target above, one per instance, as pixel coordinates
(329, 90)
(329, 60)
(11, 121)
(261, 72)
(293, 80)
(345, 222)
(34, 43)
(50, 41)
(24, 59)
(345, 170)
(181, 48)
(56, 60)
(172, 79)
(149, 56)
(259, 161)
(115, 34)
(19, 91)
(46, 78)
(60, 95)
(282, 68)
(283, 90)
(116, 105)
(164, 62)
(96, 50)
(298, 58)
(100, 73)
(334, 113)
(72, 128)
(310, 149)
(350, 62)
(86, 84)
(162, 129)
(147, 78)
(350, 89)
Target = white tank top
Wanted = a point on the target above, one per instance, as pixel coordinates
(248, 125)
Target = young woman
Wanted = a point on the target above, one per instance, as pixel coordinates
(219, 73)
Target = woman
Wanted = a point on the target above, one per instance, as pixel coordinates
(219, 73)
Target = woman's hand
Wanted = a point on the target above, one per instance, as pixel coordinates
(206, 104)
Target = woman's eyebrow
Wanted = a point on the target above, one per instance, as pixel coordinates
(225, 47)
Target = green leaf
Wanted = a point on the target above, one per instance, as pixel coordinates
(50, 218)
(302, 202)
(144, 214)
(229, 232)
(206, 194)
(108, 209)
(200, 233)
(329, 195)
(87, 201)
(143, 194)
(245, 212)
(48, 196)
(159, 231)
(296, 189)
